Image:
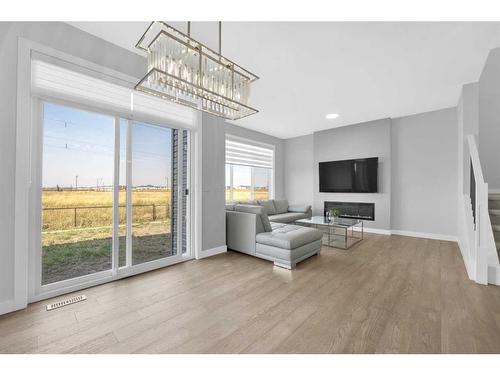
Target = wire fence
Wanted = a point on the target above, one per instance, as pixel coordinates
(61, 218)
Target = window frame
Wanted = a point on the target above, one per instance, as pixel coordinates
(272, 173)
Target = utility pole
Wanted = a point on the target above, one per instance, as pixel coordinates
(76, 182)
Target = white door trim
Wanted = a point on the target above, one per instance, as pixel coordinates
(23, 175)
(213, 251)
(197, 186)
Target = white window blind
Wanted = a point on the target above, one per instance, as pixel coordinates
(61, 83)
(241, 153)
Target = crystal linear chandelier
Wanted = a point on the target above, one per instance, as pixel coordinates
(186, 71)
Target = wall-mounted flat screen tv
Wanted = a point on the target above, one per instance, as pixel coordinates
(349, 176)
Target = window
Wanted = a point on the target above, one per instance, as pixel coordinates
(84, 208)
(249, 170)
(80, 163)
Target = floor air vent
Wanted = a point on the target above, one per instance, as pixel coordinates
(66, 302)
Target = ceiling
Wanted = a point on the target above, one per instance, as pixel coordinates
(361, 70)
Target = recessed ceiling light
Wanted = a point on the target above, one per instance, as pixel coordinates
(331, 116)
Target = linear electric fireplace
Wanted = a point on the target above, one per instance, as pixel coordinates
(353, 210)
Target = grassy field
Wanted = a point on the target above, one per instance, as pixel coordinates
(77, 245)
(73, 254)
(246, 195)
(59, 208)
(102, 198)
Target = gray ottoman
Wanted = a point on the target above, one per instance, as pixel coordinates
(286, 245)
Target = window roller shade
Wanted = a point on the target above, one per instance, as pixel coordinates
(64, 84)
(241, 153)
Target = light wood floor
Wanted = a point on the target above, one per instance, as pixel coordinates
(387, 294)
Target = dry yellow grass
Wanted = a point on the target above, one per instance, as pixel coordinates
(101, 198)
(245, 195)
(94, 208)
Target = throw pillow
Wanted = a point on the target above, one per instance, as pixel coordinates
(281, 206)
(259, 211)
(269, 206)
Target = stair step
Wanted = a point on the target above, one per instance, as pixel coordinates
(495, 219)
(494, 196)
(495, 227)
(494, 205)
(494, 212)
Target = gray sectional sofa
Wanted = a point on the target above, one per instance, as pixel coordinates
(250, 230)
(279, 211)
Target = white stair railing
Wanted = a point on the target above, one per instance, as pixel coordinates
(479, 232)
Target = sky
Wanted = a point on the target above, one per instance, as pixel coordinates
(81, 143)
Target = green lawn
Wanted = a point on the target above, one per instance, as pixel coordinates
(63, 257)
(77, 232)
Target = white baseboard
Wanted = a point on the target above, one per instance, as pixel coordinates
(386, 232)
(493, 275)
(212, 252)
(7, 307)
(432, 236)
(463, 250)
(373, 230)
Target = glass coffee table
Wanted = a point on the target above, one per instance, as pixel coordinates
(338, 233)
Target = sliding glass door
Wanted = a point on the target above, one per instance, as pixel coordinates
(152, 182)
(114, 196)
(77, 194)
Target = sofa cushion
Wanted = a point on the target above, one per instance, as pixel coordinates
(249, 203)
(266, 222)
(269, 206)
(275, 225)
(262, 217)
(281, 206)
(289, 237)
(289, 217)
(257, 210)
(299, 208)
(287, 255)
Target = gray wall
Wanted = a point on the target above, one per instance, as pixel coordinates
(279, 158)
(468, 123)
(489, 119)
(64, 38)
(213, 182)
(299, 164)
(424, 172)
(418, 169)
(369, 139)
